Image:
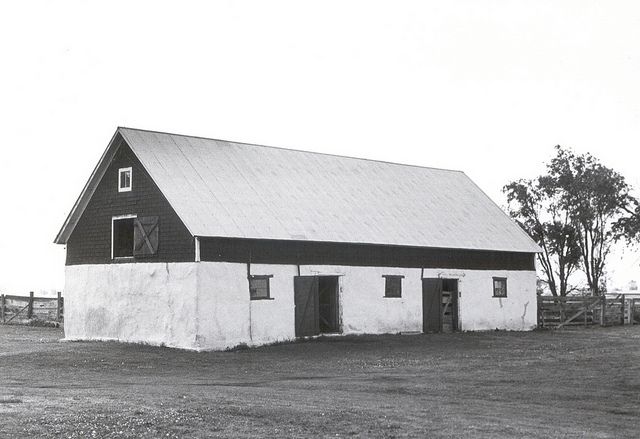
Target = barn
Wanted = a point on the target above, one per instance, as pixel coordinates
(205, 244)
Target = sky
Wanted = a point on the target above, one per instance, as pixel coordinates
(487, 87)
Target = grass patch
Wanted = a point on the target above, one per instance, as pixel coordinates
(543, 384)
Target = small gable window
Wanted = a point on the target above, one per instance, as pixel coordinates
(124, 179)
(259, 287)
(392, 286)
(499, 287)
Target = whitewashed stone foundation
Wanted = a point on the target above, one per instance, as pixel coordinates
(206, 305)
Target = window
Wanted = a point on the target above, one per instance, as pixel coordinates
(259, 287)
(133, 236)
(499, 287)
(124, 179)
(122, 245)
(393, 286)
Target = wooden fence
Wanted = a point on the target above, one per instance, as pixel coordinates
(558, 312)
(18, 309)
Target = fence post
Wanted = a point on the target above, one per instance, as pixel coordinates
(3, 302)
(584, 302)
(30, 309)
(59, 308)
(603, 310)
(539, 315)
(632, 311)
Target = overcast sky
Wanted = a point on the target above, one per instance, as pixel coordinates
(488, 87)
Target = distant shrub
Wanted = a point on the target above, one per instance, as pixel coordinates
(43, 323)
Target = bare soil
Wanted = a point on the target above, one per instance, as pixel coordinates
(571, 383)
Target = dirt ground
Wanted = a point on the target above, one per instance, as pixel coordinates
(574, 383)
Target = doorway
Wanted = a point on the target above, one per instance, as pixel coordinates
(439, 305)
(316, 305)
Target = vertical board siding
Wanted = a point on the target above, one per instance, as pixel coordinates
(90, 242)
(264, 251)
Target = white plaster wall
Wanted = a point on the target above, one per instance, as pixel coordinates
(479, 310)
(206, 305)
(227, 316)
(144, 302)
(363, 307)
(222, 305)
(274, 320)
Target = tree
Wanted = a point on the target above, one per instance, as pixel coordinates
(629, 225)
(536, 206)
(594, 197)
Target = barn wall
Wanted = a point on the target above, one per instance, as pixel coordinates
(90, 242)
(480, 311)
(291, 252)
(147, 303)
(364, 308)
(206, 305)
(228, 317)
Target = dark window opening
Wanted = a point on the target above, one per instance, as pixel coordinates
(499, 287)
(328, 317)
(259, 287)
(123, 237)
(393, 286)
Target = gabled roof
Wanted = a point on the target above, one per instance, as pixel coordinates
(230, 189)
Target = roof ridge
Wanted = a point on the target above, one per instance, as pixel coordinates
(295, 150)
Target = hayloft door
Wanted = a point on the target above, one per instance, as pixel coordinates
(306, 298)
(431, 305)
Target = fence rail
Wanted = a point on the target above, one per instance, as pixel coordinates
(18, 309)
(558, 312)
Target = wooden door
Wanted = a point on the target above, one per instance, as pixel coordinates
(449, 305)
(431, 305)
(307, 315)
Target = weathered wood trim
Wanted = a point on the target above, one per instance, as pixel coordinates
(263, 251)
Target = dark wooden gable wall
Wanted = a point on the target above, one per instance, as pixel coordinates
(90, 242)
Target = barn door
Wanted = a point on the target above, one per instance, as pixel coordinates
(431, 305)
(328, 304)
(305, 290)
(449, 305)
(145, 236)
